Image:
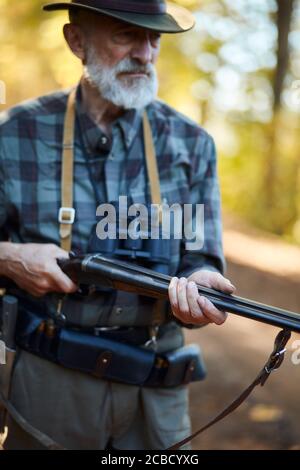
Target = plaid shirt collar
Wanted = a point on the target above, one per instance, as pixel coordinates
(94, 138)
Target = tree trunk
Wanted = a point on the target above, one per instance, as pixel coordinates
(283, 22)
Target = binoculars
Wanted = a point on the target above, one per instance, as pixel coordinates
(143, 250)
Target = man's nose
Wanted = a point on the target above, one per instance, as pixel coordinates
(143, 51)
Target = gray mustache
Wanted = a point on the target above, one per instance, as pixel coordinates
(129, 67)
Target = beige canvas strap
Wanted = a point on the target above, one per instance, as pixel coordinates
(67, 212)
(151, 162)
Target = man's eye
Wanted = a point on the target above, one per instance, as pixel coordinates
(124, 36)
(155, 38)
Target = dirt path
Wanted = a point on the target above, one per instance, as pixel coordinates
(234, 353)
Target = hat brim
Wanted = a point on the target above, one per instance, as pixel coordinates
(176, 19)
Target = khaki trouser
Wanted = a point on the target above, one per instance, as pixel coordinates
(82, 412)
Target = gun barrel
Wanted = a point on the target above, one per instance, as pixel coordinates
(134, 278)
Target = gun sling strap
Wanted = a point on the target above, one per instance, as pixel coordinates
(273, 363)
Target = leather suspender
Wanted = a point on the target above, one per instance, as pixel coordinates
(151, 164)
(66, 215)
(67, 212)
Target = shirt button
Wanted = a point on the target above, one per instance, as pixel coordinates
(119, 310)
(104, 140)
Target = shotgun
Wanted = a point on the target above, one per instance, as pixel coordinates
(112, 273)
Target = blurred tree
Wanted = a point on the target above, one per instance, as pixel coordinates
(283, 21)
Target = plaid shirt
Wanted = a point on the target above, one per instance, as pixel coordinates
(30, 170)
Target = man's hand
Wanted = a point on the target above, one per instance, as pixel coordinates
(190, 307)
(33, 267)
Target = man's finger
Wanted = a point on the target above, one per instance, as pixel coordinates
(183, 305)
(62, 281)
(219, 282)
(211, 312)
(223, 284)
(192, 296)
(173, 293)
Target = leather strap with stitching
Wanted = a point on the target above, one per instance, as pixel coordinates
(274, 362)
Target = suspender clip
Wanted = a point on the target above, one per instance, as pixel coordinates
(66, 215)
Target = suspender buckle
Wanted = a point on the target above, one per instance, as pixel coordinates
(66, 215)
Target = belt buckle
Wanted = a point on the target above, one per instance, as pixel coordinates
(102, 329)
(152, 342)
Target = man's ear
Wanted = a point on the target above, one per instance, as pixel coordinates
(74, 36)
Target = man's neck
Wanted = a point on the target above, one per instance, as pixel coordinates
(103, 112)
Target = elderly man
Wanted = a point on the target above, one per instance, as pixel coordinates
(48, 207)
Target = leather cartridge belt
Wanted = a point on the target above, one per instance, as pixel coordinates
(108, 354)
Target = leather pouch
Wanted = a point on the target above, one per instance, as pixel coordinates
(184, 365)
(178, 367)
(104, 358)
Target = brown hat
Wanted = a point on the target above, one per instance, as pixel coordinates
(157, 15)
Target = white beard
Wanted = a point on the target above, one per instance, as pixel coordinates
(125, 92)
